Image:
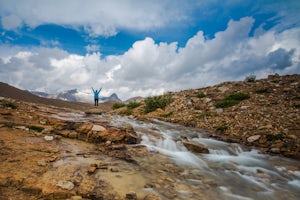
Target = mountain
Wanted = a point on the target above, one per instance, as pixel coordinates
(22, 95)
(75, 95)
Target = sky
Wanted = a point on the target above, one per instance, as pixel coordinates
(145, 47)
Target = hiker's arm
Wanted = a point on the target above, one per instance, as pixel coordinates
(93, 89)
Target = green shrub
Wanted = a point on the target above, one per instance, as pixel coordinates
(250, 78)
(118, 105)
(126, 112)
(152, 103)
(36, 128)
(200, 95)
(169, 114)
(232, 100)
(8, 104)
(278, 136)
(297, 105)
(222, 128)
(262, 90)
(133, 104)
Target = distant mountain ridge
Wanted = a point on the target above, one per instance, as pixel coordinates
(76, 96)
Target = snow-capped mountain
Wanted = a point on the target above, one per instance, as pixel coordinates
(76, 96)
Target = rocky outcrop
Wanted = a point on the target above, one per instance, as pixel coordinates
(268, 120)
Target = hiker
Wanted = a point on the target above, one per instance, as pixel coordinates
(96, 95)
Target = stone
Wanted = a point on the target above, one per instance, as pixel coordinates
(223, 89)
(207, 100)
(42, 163)
(195, 147)
(92, 168)
(49, 138)
(76, 197)
(98, 128)
(253, 138)
(152, 197)
(66, 185)
(131, 195)
(219, 110)
(275, 150)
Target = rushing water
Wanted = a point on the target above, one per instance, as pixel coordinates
(239, 174)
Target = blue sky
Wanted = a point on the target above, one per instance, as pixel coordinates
(142, 48)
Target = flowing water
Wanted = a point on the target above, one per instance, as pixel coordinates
(232, 171)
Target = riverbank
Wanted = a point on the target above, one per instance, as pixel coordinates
(268, 120)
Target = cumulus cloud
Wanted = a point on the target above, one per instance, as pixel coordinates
(97, 17)
(150, 68)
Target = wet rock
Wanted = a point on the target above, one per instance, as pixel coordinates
(275, 150)
(195, 147)
(66, 185)
(253, 138)
(98, 128)
(131, 196)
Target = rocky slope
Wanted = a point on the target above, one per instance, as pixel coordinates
(268, 120)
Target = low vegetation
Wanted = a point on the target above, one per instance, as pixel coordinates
(36, 128)
(152, 103)
(133, 104)
(8, 104)
(200, 95)
(250, 78)
(118, 105)
(232, 100)
(263, 90)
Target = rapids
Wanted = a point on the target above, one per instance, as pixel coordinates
(231, 170)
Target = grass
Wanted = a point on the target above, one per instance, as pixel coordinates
(200, 95)
(126, 112)
(232, 100)
(118, 105)
(155, 102)
(133, 104)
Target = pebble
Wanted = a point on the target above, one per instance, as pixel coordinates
(49, 138)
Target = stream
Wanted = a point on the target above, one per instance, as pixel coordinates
(230, 170)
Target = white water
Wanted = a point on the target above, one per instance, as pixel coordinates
(237, 173)
(240, 174)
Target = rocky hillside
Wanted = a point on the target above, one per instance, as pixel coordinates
(268, 118)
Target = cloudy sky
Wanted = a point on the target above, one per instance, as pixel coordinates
(142, 48)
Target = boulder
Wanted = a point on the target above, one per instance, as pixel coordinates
(253, 138)
(195, 147)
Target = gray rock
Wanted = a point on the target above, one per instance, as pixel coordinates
(49, 138)
(253, 138)
(66, 185)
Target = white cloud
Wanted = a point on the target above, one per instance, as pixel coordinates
(150, 68)
(98, 17)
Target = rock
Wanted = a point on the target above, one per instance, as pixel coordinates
(244, 107)
(92, 168)
(114, 169)
(22, 128)
(66, 185)
(253, 138)
(269, 126)
(223, 89)
(219, 110)
(42, 163)
(76, 197)
(98, 128)
(195, 147)
(152, 197)
(275, 150)
(49, 138)
(206, 100)
(131, 195)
